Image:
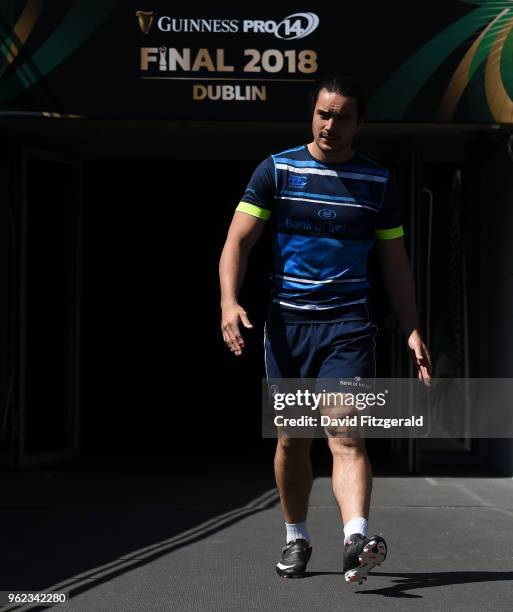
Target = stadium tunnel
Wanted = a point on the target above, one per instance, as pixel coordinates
(112, 232)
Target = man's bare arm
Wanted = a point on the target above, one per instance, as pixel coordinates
(400, 287)
(243, 233)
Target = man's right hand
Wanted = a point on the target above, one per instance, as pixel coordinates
(232, 315)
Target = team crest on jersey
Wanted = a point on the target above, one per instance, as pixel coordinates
(297, 181)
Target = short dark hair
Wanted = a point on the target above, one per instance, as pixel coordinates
(346, 86)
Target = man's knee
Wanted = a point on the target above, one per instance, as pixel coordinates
(347, 445)
(294, 446)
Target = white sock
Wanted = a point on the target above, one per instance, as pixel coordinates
(296, 531)
(355, 525)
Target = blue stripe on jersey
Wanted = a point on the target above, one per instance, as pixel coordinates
(320, 258)
(289, 150)
(326, 285)
(316, 293)
(333, 172)
(335, 302)
(318, 307)
(326, 281)
(319, 195)
(300, 164)
(336, 167)
(330, 198)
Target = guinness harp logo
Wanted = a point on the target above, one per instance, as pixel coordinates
(145, 19)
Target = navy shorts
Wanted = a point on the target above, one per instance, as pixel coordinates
(343, 349)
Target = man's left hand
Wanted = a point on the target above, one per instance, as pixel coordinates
(420, 356)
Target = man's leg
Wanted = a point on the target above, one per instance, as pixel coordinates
(352, 486)
(352, 477)
(293, 472)
(351, 354)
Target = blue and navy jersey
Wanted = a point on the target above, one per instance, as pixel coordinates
(324, 218)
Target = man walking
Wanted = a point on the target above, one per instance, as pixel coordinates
(328, 204)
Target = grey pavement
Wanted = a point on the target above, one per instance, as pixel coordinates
(164, 539)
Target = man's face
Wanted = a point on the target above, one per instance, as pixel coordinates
(334, 122)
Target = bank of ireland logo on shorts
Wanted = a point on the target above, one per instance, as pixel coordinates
(297, 181)
(326, 214)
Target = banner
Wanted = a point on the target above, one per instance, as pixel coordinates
(436, 61)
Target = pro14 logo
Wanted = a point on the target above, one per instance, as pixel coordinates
(292, 27)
